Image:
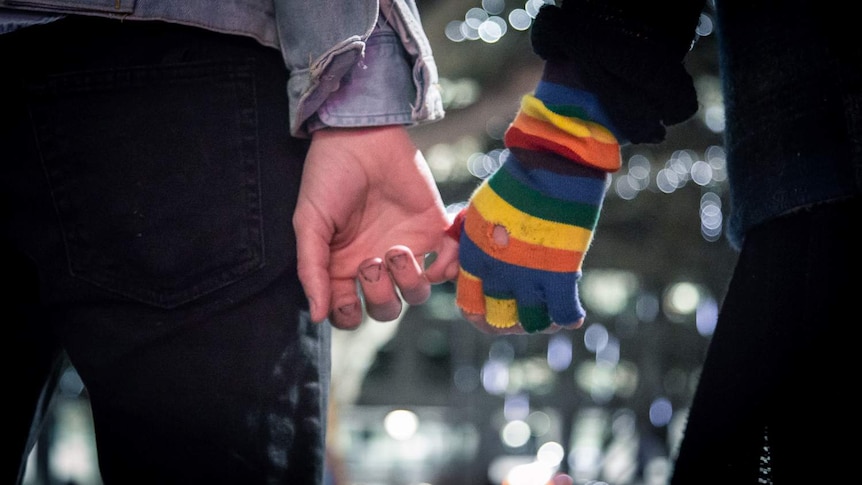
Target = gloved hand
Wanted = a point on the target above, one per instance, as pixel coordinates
(526, 229)
(523, 239)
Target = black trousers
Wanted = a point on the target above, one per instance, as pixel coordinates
(148, 183)
(775, 401)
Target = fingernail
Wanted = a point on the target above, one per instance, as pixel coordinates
(371, 272)
(398, 261)
(348, 309)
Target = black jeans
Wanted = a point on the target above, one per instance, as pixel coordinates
(774, 402)
(148, 183)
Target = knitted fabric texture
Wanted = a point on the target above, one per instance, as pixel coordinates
(547, 197)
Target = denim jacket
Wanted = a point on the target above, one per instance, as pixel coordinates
(325, 53)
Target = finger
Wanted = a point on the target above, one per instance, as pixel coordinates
(316, 292)
(468, 294)
(482, 325)
(553, 328)
(408, 275)
(550, 329)
(562, 479)
(572, 325)
(534, 318)
(312, 269)
(346, 309)
(381, 299)
(486, 314)
(502, 312)
(564, 305)
(445, 266)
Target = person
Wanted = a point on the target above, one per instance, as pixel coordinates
(187, 195)
(769, 406)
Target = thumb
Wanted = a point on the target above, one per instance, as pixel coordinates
(445, 265)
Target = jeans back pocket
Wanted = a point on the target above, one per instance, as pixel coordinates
(154, 174)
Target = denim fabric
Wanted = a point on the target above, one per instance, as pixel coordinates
(11, 20)
(355, 103)
(120, 193)
(148, 182)
(317, 47)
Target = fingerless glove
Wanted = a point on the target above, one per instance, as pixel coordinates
(527, 228)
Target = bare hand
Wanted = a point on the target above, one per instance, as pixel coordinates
(364, 192)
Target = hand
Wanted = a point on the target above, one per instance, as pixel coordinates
(364, 192)
(478, 319)
(400, 272)
(522, 241)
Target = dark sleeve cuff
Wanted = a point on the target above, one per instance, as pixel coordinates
(629, 54)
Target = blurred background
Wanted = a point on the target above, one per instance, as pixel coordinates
(430, 400)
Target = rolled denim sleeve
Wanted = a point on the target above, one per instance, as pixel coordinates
(369, 65)
(377, 91)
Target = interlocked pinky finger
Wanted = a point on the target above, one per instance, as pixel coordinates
(407, 272)
(382, 302)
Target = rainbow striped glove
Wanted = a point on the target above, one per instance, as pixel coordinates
(527, 228)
